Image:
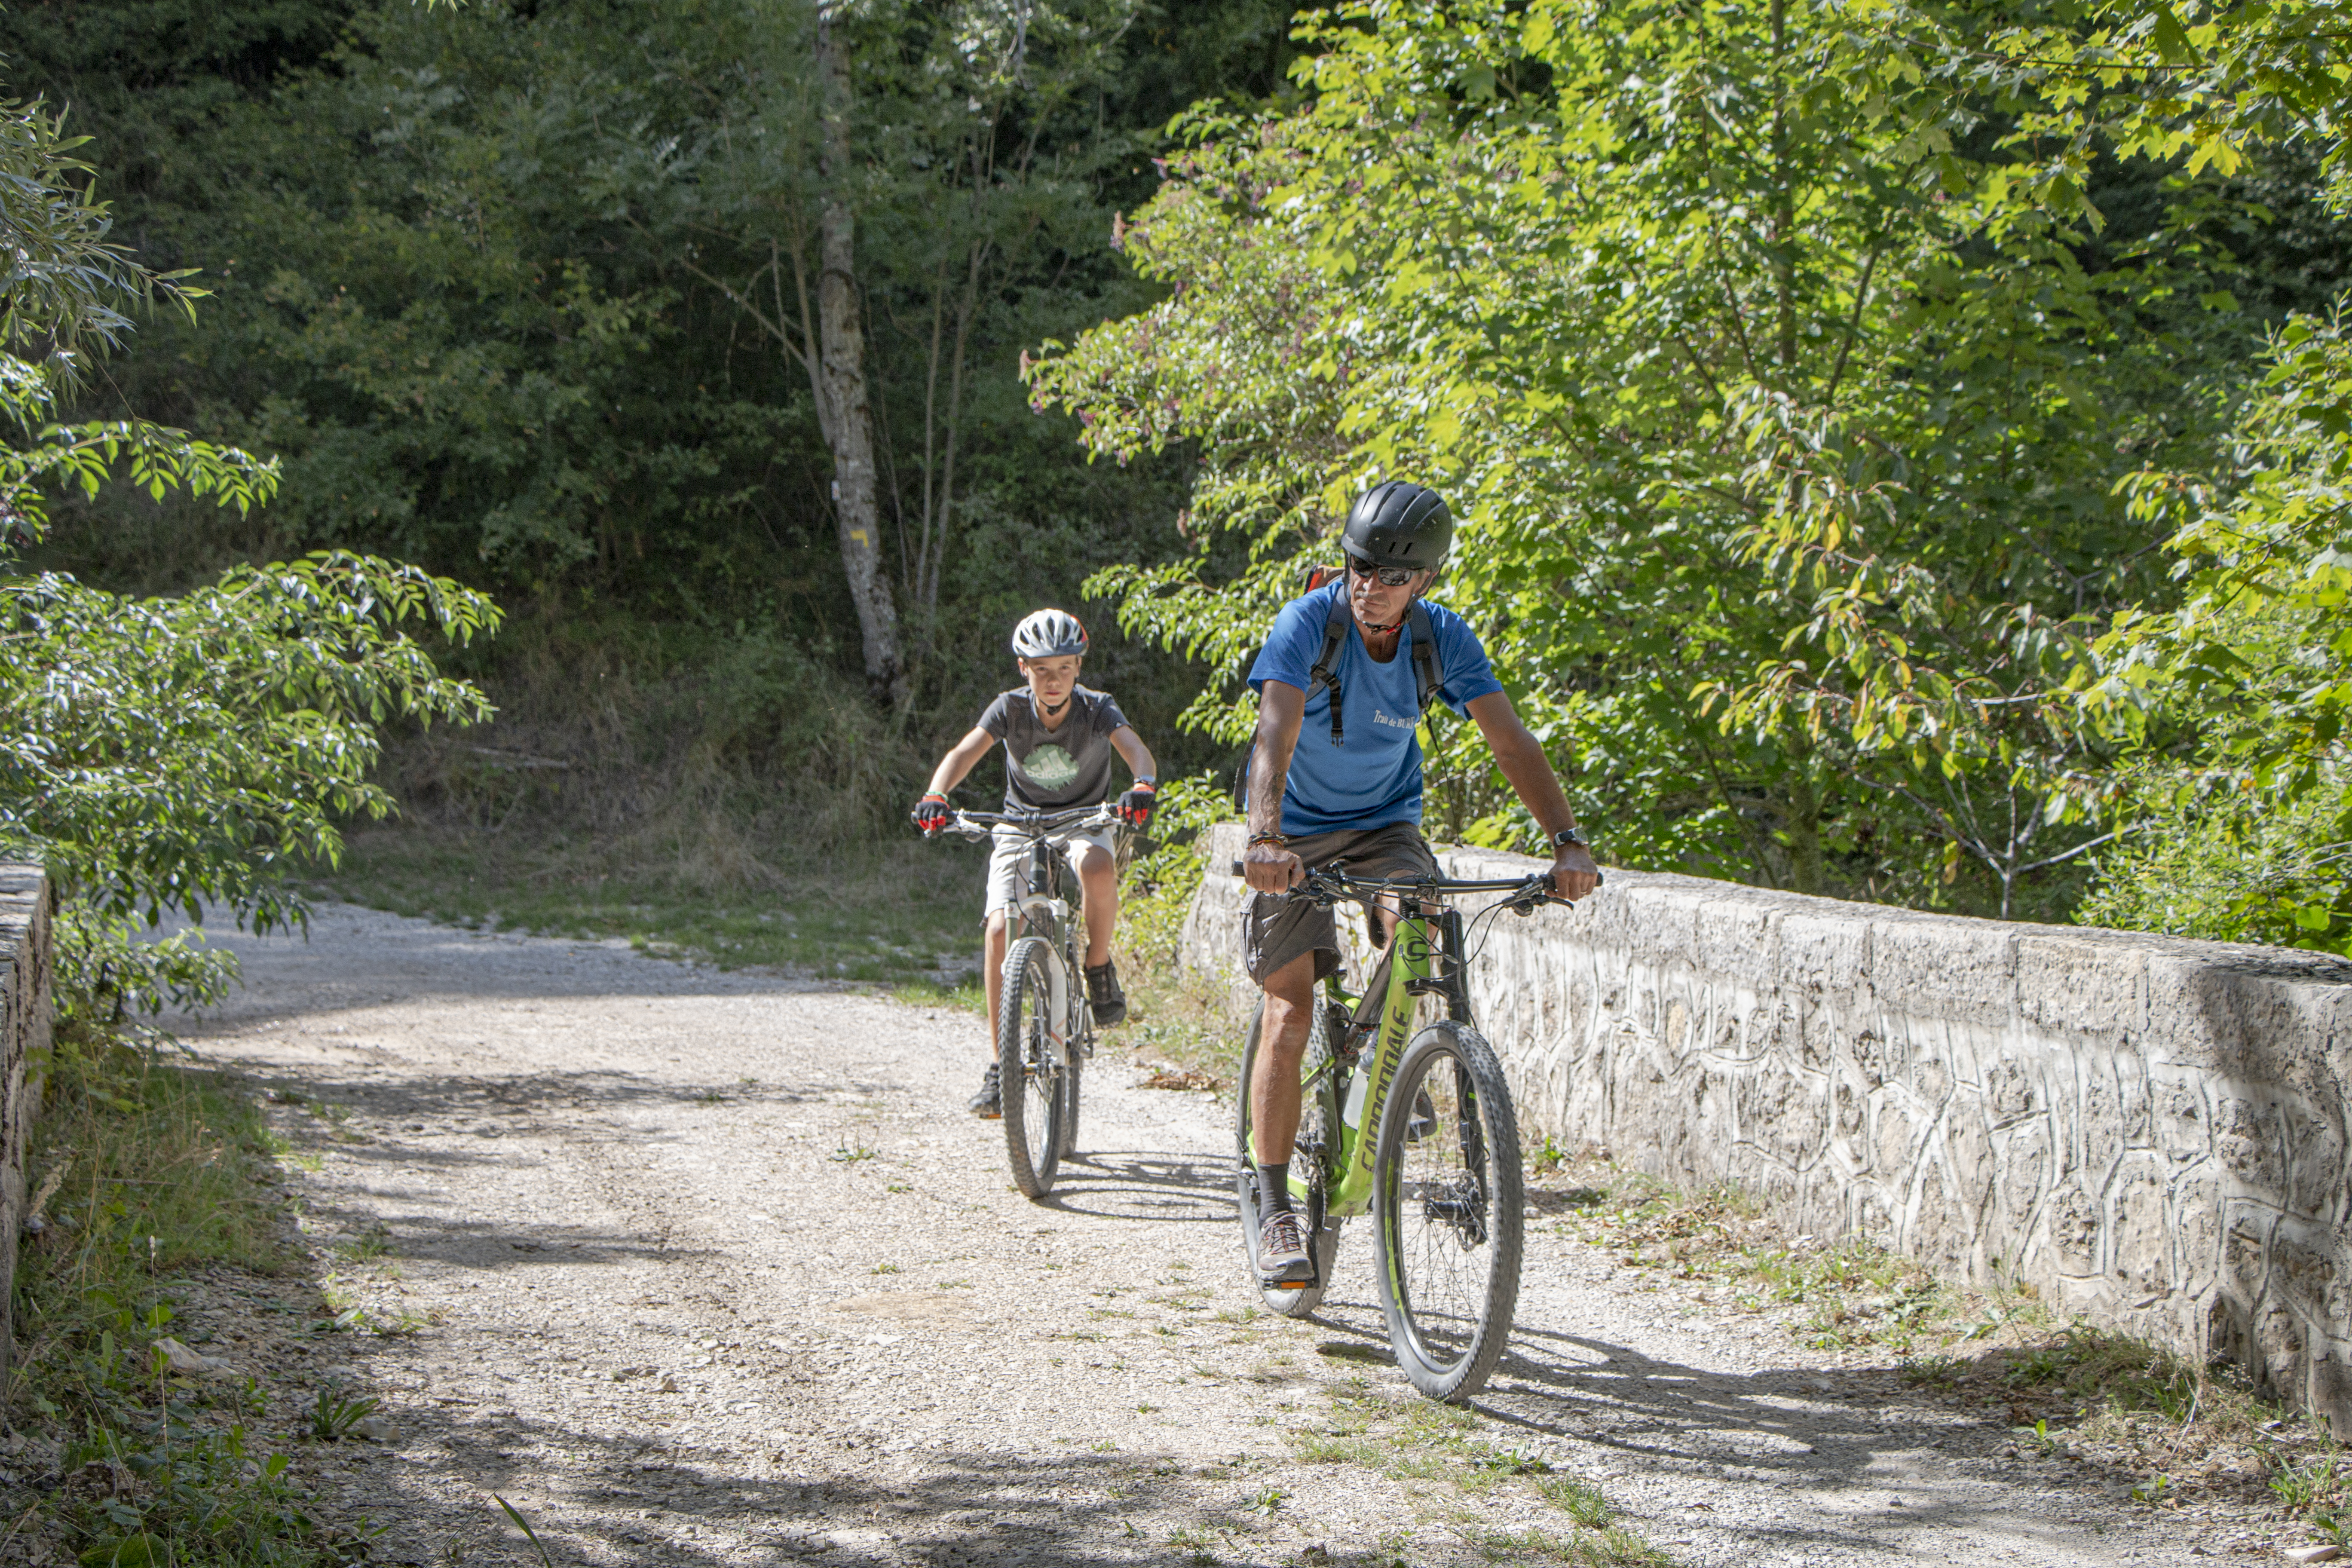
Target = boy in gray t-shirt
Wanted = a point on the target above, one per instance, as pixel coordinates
(1058, 738)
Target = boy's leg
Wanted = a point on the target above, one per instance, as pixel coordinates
(1098, 876)
(1097, 872)
(992, 946)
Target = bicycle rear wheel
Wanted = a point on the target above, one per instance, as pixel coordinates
(1027, 1076)
(1310, 1153)
(1449, 1206)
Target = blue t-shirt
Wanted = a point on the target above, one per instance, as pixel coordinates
(1374, 779)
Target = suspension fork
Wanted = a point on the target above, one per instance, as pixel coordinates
(1458, 968)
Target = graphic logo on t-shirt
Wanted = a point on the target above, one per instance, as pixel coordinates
(1050, 767)
(1380, 716)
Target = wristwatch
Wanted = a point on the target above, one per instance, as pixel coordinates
(1568, 836)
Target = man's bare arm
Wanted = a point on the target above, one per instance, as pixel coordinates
(1270, 868)
(1521, 757)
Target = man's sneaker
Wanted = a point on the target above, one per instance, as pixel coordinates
(1281, 1251)
(1110, 1003)
(988, 1104)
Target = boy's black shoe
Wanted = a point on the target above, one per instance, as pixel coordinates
(1103, 995)
(988, 1104)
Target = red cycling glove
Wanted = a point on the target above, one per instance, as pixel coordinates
(1135, 805)
(932, 814)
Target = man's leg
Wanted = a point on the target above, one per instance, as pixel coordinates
(1274, 1092)
(1281, 1047)
(988, 1103)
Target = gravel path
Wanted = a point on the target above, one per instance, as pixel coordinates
(713, 1268)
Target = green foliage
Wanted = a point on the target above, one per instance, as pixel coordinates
(2244, 809)
(162, 754)
(1159, 886)
(1784, 419)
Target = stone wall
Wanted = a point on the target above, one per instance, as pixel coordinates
(2152, 1132)
(25, 976)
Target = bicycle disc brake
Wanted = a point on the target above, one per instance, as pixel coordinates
(1462, 1209)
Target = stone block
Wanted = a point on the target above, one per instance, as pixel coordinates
(2079, 985)
(27, 978)
(1736, 938)
(1945, 969)
(2139, 1251)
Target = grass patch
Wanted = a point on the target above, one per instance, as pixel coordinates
(1179, 1025)
(146, 1170)
(2068, 1393)
(1841, 1295)
(1614, 1547)
(1445, 1446)
(898, 913)
(2128, 1406)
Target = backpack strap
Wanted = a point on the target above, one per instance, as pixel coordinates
(1335, 636)
(1428, 668)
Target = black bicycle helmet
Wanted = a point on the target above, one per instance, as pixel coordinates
(1398, 523)
(1044, 633)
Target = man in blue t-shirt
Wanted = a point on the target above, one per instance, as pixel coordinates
(1348, 787)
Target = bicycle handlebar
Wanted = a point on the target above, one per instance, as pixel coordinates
(1035, 824)
(1328, 887)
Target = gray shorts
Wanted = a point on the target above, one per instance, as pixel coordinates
(1276, 929)
(1008, 862)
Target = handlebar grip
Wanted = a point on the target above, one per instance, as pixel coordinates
(1237, 869)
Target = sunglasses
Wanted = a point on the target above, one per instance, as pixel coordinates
(1390, 577)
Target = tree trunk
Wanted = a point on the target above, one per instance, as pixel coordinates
(1804, 835)
(838, 371)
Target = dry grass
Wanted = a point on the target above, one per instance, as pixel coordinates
(1721, 1244)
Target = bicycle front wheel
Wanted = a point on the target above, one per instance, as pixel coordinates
(1027, 1076)
(1070, 1076)
(1449, 1206)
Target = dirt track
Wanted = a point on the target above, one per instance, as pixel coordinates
(714, 1267)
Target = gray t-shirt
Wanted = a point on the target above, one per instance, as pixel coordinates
(1051, 769)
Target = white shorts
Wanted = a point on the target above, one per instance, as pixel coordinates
(1008, 862)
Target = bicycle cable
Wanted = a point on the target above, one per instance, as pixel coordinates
(1470, 930)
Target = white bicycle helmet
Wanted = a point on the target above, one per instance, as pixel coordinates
(1048, 634)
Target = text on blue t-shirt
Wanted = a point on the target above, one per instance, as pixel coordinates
(1375, 778)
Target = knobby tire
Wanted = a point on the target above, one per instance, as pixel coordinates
(1449, 1209)
(1027, 1078)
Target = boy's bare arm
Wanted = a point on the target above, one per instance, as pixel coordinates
(961, 761)
(1131, 748)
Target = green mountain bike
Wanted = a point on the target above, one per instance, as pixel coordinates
(1418, 1133)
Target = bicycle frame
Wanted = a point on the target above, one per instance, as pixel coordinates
(1042, 911)
(1410, 968)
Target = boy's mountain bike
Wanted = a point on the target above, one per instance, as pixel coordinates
(1044, 1030)
(1420, 1134)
